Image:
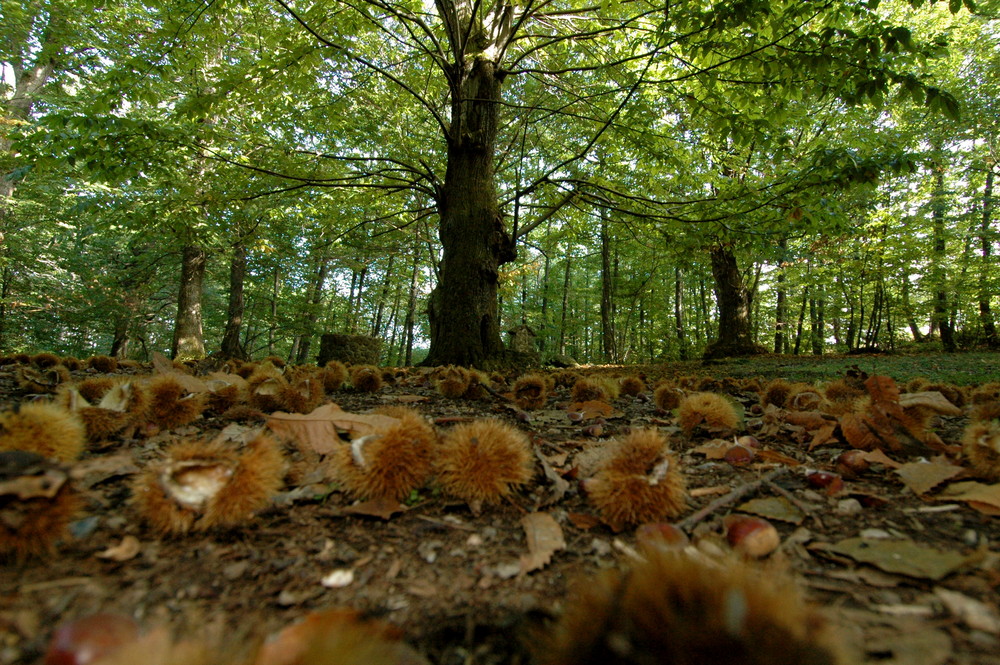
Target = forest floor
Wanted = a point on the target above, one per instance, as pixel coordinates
(906, 562)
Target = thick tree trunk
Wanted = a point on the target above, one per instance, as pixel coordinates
(189, 339)
(231, 347)
(463, 313)
(986, 246)
(735, 301)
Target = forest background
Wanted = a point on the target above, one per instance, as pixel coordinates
(635, 181)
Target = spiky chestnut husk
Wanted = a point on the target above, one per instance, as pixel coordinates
(804, 397)
(366, 378)
(389, 464)
(36, 504)
(985, 411)
(199, 486)
(478, 381)
(225, 395)
(640, 481)
(632, 385)
(302, 395)
(954, 394)
(334, 376)
(708, 410)
(987, 392)
(341, 636)
(41, 381)
(667, 396)
(44, 428)
(275, 361)
(530, 392)
(125, 403)
(586, 390)
(483, 461)
(45, 360)
(264, 385)
(452, 381)
(981, 446)
(776, 392)
(103, 364)
(671, 607)
(72, 363)
(94, 388)
(21, 358)
(170, 403)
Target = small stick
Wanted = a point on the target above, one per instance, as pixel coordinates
(690, 521)
(795, 502)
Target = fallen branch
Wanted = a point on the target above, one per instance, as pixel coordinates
(690, 521)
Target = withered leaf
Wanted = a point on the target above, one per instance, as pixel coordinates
(381, 508)
(545, 538)
(321, 428)
(921, 477)
(898, 556)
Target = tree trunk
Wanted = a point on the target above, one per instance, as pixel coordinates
(231, 347)
(411, 310)
(802, 317)
(986, 245)
(565, 307)
(462, 312)
(312, 309)
(682, 344)
(383, 298)
(608, 345)
(735, 300)
(941, 319)
(189, 338)
(780, 339)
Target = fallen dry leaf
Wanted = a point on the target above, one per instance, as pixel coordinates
(930, 399)
(973, 493)
(545, 538)
(774, 508)
(897, 556)
(973, 613)
(127, 549)
(382, 508)
(921, 477)
(321, 428)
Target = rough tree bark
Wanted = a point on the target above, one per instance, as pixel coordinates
(735, 300)
(231, 347)
(462, 310)
(938, 213)
(986, 247)
(189, 338)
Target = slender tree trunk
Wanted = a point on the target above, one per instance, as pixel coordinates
(317, 290)
(608, 345)
(938, 214)
(986, 268)
(802, 317)
(411, 312)
(189, 338)
(230, 346)
(735, 300)
(273, 325)
(565, 307)
(780, 339)
(679, 324)
(383, 298)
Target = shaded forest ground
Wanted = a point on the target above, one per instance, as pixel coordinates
(453, 581)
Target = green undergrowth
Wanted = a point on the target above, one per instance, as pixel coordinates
(968, 368)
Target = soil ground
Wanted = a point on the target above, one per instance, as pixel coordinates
(450, 579)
